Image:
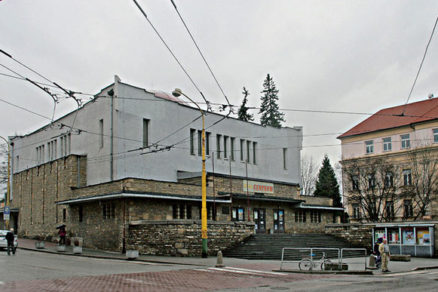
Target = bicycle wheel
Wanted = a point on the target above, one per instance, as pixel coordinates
(305, 264)
(326, 265)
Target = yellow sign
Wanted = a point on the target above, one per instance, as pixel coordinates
(258, 187)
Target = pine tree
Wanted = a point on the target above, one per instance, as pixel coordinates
(269, 108)
(244, 115)
(327, 184)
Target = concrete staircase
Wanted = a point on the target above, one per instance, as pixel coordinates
(269, 246)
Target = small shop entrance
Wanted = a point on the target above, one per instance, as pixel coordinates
(278, 220)
(259, 220)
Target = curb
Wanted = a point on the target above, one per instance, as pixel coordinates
(327, 272)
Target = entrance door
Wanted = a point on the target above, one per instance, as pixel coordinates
(278, 221)
(259, 220)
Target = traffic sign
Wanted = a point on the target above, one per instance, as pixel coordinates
(6, 213)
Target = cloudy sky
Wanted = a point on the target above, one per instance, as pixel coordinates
(349, 56)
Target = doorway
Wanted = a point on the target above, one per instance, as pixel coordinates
(278, 220)
(259, 220)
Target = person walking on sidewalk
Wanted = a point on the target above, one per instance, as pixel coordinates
(384, 251)
(10, 238)
(62, 233)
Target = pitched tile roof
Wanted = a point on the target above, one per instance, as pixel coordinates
(398, 116)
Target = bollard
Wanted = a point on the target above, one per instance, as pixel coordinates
(220, 260)
(372, 262)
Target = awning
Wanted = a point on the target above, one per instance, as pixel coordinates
(320, 207)
(383, 225)
(265, 198)
(13, 210)
(141, 196)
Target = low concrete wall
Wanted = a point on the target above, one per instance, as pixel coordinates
(183, 237)
(358, 235)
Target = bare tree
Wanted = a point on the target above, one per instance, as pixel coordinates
(309, 173)
(422, 187)
(372, 187)
(3, 168)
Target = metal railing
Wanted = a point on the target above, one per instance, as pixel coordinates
(312, 256)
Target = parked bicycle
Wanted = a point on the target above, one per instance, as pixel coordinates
(308, 263)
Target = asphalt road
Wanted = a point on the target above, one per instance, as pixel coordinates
(36, 271)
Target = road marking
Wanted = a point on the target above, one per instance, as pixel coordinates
(246, 271)
(405, 273)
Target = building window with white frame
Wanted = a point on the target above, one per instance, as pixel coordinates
(254, 148)
(146, 123)
(435, 135)
(232, 141)
(242, 147)
(315, 216)
(356, 211)
(407, 177)
(369, 146)
(387, 145)
(218, 146)
(65, 142)
(248, 151)
(225, 147)
(300, 216)
(405, 141)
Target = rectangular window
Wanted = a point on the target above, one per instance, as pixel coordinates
(242, 147)
(145, 133)
(389, 209)
(435, 135)
(188, 212)
(238, 214)
(218, 146)
(40, 154)
(355, 183)
(207, 143)
(369, 145)
(175, 211)
(65, 145)
(199, 143)
(387, 144)
(405, 141)
(300, 216)
(248, 152)
(181, 211)
(284, 158)
(225, 146)
(64, 215)
(356, 211)
(408, 209)
(192, 141)
(371, 182)
(389, 180)
(80, 214)
(232, 139)
(407, 177)
(254, 157)
(101, 133)
(315, 216)
(108, 210)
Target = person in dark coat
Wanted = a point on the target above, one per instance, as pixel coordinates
(62, 233)
(10, 238)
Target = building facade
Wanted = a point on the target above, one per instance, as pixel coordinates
(127, 165)
(390, 173)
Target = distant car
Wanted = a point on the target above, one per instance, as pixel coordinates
(4, 242)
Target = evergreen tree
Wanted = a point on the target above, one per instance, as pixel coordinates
(244, 115)
(327, 184)
(269, 108)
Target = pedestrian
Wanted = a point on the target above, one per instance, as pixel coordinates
(10, 238)
(62, 234)
(376, 252)
(384, 251)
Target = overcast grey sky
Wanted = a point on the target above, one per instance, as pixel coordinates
(354, 56)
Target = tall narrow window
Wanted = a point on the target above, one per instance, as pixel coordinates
(232, 139)
(242, 146)
(218, 146)
(407, 177)
(435, 135)
(389, 208)
(199, 142)
(389, 180)
(145, 133)
(405, 141)
(101, 133)
(64, 215)
(207, 143)
(248, 153)
(284, 158)
(192, 141)
(356, 211)
(355, 182)
(225, 147)
(254, 147)
(369, 146)
(387, 145)
(408, 209)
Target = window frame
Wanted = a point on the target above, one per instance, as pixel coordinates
(405, 141)
(369, 147)
(387, 145)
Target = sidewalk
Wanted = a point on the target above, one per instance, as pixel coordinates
(50, 247)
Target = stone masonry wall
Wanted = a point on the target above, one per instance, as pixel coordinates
(358, 235)
(183, 237)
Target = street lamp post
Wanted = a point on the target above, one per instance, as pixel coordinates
(9, 179)
(177, 92)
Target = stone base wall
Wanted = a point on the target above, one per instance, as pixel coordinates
(183, 237)
(358, 235)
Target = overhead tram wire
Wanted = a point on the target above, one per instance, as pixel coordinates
(170, 51)
(200, 52)
(421, 65)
